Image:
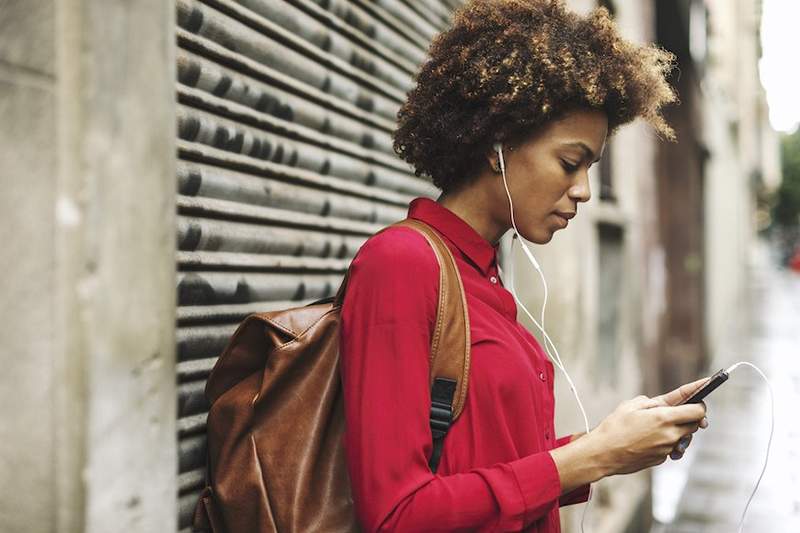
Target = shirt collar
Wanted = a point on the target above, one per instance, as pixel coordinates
(470, 242)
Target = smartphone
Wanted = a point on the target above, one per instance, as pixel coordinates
(708, 387)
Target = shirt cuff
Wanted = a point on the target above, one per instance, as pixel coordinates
(563, 440)
(539, 485)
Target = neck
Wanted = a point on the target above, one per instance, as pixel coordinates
(473, 207)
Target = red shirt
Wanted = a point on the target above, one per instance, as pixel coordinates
(495, 472)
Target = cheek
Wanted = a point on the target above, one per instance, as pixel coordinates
(545, 182)
(536, 201)
(528, 209)
(534, 221)
(534, 215)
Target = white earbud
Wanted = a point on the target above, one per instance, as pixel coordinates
(498, 146)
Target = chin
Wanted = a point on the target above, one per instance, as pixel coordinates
(539, 237)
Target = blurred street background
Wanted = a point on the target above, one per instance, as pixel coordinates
(169, 166)
(707, 490)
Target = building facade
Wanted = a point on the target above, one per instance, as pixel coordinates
(169, 167)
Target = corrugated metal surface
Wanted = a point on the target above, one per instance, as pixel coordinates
(285, 113)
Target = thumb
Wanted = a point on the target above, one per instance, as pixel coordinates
(682, 393)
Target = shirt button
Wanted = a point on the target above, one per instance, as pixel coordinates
(493, 279)
(541, 376)
(547, 435)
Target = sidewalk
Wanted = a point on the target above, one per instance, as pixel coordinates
(726, 458)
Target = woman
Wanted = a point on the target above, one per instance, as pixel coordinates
(550, 86)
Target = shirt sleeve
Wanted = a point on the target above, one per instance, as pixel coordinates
(578, 495)
(388, 319)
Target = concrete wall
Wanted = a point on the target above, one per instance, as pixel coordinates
(27, 285)
(86, 170)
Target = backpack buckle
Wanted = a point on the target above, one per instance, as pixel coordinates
(442, 392)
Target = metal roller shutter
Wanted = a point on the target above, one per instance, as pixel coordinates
(285, 165)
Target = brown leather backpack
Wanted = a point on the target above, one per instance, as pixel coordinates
(276, 459)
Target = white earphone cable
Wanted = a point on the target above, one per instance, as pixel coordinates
(769, 442)
(548, 342)
(556, 358)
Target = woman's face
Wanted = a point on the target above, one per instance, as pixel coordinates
(548, 173)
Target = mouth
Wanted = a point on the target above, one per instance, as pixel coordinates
(564, 217)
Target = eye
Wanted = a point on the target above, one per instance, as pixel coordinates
(569, 167)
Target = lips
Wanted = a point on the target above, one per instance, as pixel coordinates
(563, 218)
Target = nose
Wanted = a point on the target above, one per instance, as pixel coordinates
(580, 191)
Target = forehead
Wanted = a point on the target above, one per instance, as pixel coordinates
(590, 124)
(580, 126)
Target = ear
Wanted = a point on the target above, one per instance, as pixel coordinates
(493, 160)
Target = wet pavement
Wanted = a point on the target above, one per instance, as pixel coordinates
(720, 469)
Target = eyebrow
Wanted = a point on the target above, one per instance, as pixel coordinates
(585, 148)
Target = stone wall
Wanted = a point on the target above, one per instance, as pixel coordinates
(86, 163)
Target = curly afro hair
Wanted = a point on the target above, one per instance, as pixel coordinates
(506, 67)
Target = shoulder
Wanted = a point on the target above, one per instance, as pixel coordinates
(397, 250)
(393, 278)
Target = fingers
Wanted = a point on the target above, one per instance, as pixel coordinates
(659, 461)
(681, 414)
(680, 394)
(683, 442)
(704, 420)
(680, 448)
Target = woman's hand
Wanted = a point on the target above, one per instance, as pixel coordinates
(642, 432)
(656, 428)
(677, 397)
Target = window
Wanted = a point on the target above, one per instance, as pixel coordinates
(607, 193)
(610, 294)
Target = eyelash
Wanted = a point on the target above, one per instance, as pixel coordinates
(570, 168)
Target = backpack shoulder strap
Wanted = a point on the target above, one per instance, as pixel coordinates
(450, 344)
